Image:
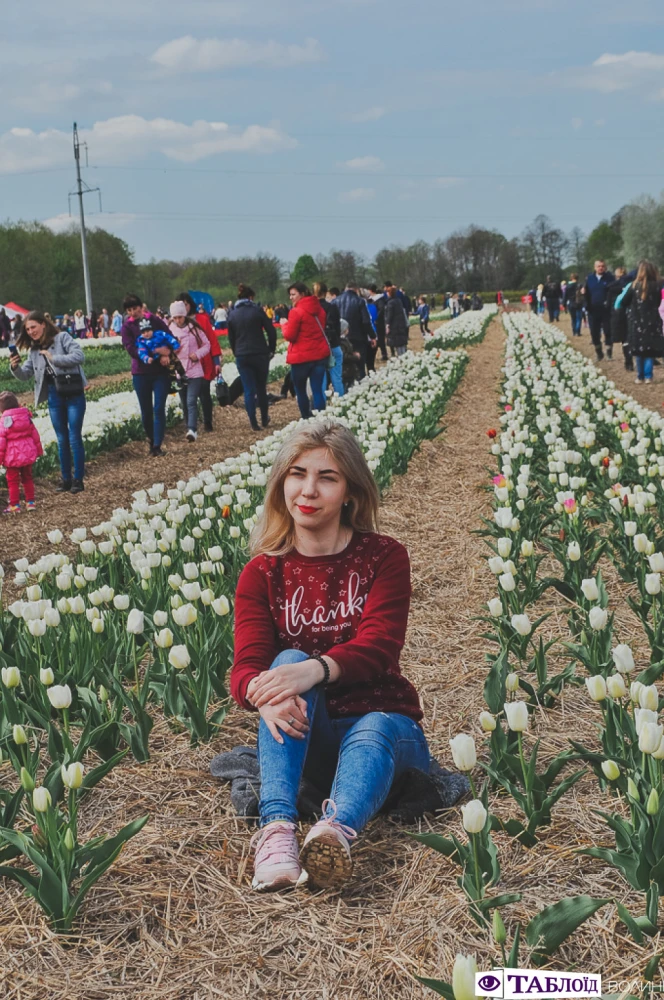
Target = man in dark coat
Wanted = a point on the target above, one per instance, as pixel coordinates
(618, 317)
(552, 296)
(599, 315)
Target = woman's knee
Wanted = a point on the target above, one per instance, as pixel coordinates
(289, 656)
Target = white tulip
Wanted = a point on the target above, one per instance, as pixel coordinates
(630, 528)
(495, 606)
(463, 752)
(160, 618)
(41, 799)
(234, 532)
(656, 561)
(11, 677)
(33, 593)
(179, 657)
(644, 717)
(164, 639)
(504, 547)
(175, 581)
(517, 715)
(650, 737)
(121, 602)
(216, 553)
(207, 597)
(97, 625)
(623, 658)
(598, 618)
(63, 581)
(615, 687)
(512, 682)
(191, 591)
(474, 816)
(653, 583)
(596, 687)
(573, 551)
(135, 622)
(59, 696)
(487, 722)
(640, 544)
(221, 606)
(507, 583)
(46, 676)
(190, 571)
(649, 698)
(527, 548)
(496, 565)
(463, 977)
(521, 624)
(610, 770)
(185, 615)
(52, 617)
(590, 589)
(72, 776)
(54, 537)
(37, 628)
(76, 605)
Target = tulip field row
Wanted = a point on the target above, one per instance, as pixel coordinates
(139, 623)
(462, 331)
(579, 479)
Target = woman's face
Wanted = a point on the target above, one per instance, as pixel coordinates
(315, 490)
(34, 329)
(294, 296)
(180, 321)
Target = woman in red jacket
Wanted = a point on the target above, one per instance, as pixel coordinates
(309, 348)
(320, 620)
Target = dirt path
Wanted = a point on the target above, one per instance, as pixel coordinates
(174, 918)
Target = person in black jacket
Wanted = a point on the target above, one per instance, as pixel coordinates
(248, 326)
(353, 309)
(552, 296)
(573, 301)
(619, 331)
(642, 300)
(396, 324)
(333, 334)
(380, 301)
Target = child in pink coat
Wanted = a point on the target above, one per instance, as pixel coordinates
(20, 447)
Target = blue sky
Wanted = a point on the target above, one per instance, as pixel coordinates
(226, 128)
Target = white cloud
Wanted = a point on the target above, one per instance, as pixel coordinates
(357, 194)
(131, 137)
(370, 115)
(104, 220)
(577, 123)
(448, 182)
(613, 72)
(365, 163)
(189, 55)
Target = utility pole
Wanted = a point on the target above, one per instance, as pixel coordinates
(81, 189)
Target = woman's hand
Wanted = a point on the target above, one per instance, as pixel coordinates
(164, 360)
(46, 354)
(14, 360)
(290, 679)
(289, 716)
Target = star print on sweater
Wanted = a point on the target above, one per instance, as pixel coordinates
(353, 607)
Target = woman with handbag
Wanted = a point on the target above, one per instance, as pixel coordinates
(309, 349)
(54, 361)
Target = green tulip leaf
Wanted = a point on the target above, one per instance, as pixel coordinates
(555, 923)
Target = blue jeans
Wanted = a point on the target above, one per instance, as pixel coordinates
(314, 371)
(67, 414)
(334, 375)
(189, 400)
(360, 756)
(576, 315)
(644, 366)
(152, 392)
(254, 370)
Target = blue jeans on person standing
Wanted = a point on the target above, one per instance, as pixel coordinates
(67, 414)
(644, 366)
(359, 756)
(314, 371)
(254, 370)
(576, 315)
(152, 392)
(189, 401)
(334, 375)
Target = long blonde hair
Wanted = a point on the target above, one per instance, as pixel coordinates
(647, 279)
(274, 534)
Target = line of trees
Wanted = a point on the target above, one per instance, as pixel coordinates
(43, 270)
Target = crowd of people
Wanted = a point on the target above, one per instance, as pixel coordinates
(617, 307)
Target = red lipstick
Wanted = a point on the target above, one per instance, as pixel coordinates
(306, 510)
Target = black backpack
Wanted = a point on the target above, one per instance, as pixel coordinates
(223, 392)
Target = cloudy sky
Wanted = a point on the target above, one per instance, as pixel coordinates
(227, 127)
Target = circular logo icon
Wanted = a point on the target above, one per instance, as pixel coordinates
(489, 983)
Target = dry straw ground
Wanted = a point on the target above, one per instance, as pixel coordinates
(175, 918)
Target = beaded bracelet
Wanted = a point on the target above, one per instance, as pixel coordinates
(326, 679)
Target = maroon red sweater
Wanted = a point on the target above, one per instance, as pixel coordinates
(352, 606)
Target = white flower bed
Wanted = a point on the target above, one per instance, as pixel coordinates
(468, 328)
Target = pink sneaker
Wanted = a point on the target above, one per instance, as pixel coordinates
(326, 850)
(277, 861)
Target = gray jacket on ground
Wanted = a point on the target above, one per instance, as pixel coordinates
(67, 355)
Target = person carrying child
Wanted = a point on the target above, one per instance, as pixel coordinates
(20, 447)
(148, 343)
